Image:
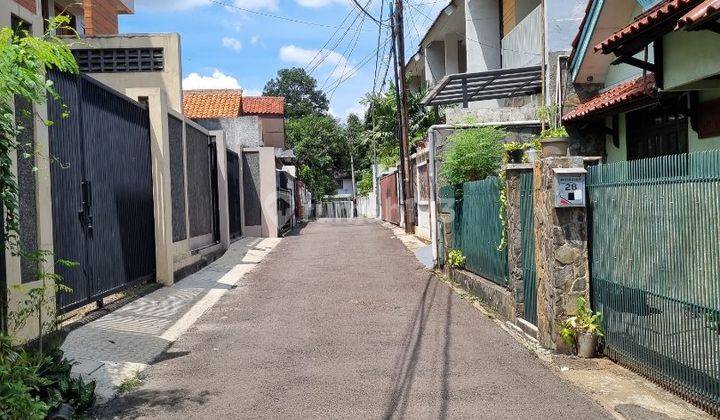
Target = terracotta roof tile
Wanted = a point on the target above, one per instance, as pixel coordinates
(704, 12)
(263, 105)
(204, 104)
(641, 88)
(657, 14)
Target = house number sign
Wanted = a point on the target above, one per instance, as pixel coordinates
(569, 187)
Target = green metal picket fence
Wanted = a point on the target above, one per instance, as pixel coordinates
(655, 272)
(527, 239)
(477, 230)
(446, 195)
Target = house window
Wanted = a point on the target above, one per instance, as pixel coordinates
(118, 60)
(656, 131)
(340, 184)
(72, 24)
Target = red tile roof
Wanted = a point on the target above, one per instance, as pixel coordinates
(263, 105)
(659, 13)
(705, 11)
(204, 104)
(637, 89)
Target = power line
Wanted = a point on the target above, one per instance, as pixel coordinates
(322, 49)
(270, 15)
(362, 9)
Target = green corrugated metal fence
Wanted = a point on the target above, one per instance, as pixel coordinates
(477, 230)
(447, 200)
(655, 272)
(527, 231)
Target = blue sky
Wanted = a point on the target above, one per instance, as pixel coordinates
(226, 47)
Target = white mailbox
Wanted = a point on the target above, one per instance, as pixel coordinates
(569, 187)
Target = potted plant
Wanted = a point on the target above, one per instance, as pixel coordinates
(583, 330)
(532, 150)
(554, 138)
(515, 151)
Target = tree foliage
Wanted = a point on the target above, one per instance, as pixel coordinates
(322, 151)
(302, 96)
(382, 122)
(23, 62)
(473, 154)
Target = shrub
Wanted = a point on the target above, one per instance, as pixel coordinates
(365, 184)
(473, 154)
(456, 259)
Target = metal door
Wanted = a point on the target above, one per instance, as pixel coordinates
(102, 195)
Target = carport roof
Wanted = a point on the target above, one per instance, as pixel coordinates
(494, 84)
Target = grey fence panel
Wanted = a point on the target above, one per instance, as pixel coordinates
(233, 181)
(177, 179)
(251, 188)
(27, 183)
(200, 196)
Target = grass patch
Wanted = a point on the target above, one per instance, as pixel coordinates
(129, 384)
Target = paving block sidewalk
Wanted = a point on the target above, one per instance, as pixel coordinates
(122, 344)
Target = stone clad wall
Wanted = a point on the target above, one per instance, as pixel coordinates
(561, 253)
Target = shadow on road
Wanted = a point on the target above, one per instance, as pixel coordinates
(406, 361)
(141, 403)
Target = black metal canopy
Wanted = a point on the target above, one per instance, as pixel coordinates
(463, 88)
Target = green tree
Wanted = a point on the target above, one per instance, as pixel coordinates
(302, 97)
(382, 122)
(322, 151)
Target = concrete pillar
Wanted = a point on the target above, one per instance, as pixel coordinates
(514, 232)
(434, 62)
(160, 150)
(222, 189)
(452, 63)
(561, 253)
(268, 192)
(482, 30)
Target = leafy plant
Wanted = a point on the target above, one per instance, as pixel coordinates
(550, 115)
(473, 154)
(456, 259)
(585, 322)
(32, 384)
(365, 184)
(514, 146)
(129, 384)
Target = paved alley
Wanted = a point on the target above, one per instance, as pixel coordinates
(341, 321)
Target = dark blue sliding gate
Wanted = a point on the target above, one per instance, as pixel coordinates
(102, 195)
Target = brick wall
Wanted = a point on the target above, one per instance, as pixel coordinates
(28, 4)
(101, 17)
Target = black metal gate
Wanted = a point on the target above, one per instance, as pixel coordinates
(233, 180)
(102, 193)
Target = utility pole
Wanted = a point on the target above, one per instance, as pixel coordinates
(401, 89)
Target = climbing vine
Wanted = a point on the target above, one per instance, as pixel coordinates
(24, 59)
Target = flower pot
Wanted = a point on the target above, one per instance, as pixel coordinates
(532, 155)
(586, 344)
(515, 156)
(555, 147)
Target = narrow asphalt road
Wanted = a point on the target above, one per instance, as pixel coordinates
(341, 321)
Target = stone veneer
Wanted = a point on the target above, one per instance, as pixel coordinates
(561, 253)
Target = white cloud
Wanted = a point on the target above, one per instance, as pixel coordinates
(358, 110)
(320, 3)
(232, 43)
(218, 80)
(254, 39)
(336, 63)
